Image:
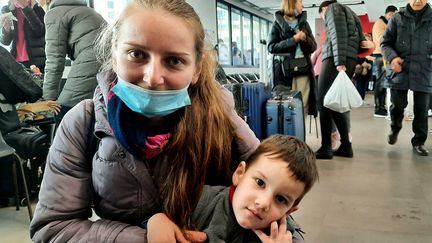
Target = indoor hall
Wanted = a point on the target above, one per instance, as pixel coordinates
(383, 194)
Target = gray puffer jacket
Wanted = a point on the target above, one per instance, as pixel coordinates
(343, 34)
(71, 29)
(411, 41)
(122, 190)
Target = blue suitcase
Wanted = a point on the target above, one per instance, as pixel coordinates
(285, 115)
(255, 96)
(250, 100)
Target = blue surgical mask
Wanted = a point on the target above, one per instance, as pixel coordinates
(151, 103)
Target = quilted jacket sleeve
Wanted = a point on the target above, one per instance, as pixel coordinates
(337, 31)
(56, 49)
(64, 207)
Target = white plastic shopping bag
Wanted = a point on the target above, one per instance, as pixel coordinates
(342, 95)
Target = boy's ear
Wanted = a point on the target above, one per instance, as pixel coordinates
(292, 210)
(238, 173)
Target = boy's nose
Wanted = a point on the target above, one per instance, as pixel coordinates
(262, 203)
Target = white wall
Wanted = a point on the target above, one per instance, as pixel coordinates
(206, 9)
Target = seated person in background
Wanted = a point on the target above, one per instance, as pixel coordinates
(16, 83)
(264, 191)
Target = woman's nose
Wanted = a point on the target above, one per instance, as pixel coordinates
(153, 73)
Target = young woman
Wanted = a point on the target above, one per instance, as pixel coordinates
(165, 128)
(339, 53)
(292, 36)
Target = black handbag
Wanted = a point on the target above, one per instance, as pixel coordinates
(292, 67)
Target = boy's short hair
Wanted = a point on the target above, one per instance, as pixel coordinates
(299, 157)
(391, 8)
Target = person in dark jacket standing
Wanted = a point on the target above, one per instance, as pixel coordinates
(25, 29)
(71, 29)
(291, 34)
(343, 37)
(380, 92)
(407, 45)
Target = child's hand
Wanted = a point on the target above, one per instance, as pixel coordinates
(277, 234)
(161, 229)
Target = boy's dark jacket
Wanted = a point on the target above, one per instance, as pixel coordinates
(214, 215)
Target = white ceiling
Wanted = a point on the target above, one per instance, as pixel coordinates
(374, 8)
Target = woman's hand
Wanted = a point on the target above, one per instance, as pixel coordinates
(341, 68)
(161, 229)
(299, 36)
(277, 234)
(6, 22)
(54, 106)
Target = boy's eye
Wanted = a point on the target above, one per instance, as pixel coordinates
(260, 182)
(281, 199)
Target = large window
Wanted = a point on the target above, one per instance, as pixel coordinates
(236, 44)
(239, 35)
(256, 36)
(247, 38)
(224, 38)
(109, 9)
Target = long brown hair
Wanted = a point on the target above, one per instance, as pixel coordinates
(204, 135)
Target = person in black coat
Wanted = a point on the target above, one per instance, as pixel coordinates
(291, 34)
(343, 37)
(27, 33)
(406, 44)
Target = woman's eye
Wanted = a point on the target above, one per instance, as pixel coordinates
(281, 199)
(260, 182)
(174, 61)
(136, 54)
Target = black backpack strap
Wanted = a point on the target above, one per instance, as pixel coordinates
(92, 140)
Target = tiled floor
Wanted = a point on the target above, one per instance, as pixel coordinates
(383, 194)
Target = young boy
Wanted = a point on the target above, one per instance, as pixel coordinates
(265, 190)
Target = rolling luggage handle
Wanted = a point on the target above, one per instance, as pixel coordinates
(310, 125)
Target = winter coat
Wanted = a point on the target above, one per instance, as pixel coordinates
(412, 42)
(378, 30)
(343, 34)
(281, 41)
(214, 216)
(123, 189)
(34, 34)
(16, 84)
(71, 29)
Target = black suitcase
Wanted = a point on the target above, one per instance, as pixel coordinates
(32, 145)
